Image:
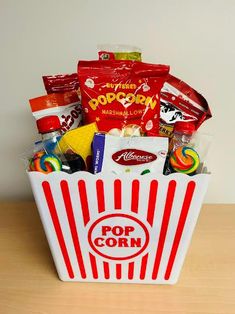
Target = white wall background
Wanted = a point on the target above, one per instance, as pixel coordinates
(48, 37)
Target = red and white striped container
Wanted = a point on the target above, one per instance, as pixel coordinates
(129, 229)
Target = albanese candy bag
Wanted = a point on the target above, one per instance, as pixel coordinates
(118, 155)
(122, 95)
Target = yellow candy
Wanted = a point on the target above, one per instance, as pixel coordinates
(78, 140)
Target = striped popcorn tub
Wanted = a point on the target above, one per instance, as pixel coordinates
(126, 228)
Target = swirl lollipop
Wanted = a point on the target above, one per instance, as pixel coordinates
(185, 160)
(36, 156)
(45, 163)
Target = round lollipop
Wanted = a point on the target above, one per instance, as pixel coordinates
(45, 163)
(185, 160)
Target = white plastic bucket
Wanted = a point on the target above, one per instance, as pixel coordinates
(127, 228)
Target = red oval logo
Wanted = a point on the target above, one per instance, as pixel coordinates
(118, 236)
(131, 156)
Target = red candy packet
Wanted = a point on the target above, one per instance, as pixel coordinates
(121, 95)
(180, 102)
(61, 83)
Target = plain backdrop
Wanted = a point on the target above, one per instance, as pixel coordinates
(196, 38)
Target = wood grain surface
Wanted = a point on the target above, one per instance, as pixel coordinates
(29, 283)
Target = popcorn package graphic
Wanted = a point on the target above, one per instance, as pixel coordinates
(130, 229)
(122, 94)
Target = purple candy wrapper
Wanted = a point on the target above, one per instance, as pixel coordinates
(98, 152)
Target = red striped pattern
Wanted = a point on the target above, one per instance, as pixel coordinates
(150, 218)
(117, 194)
(118, 271)
(57, 227)
(152, 201)
(100, 195)
(93, 266)
(72, 225)
(134, 209)
(84, 201)
(151, 212)
(131, 270)
(106, 270)
(101, 208)
(135, 196)
(180, 227)
(86, 213)
(164, 227)
(143, 266)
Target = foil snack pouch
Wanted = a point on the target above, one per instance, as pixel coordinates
(122, 95)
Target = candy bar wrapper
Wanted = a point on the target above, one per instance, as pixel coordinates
(98, 146)
(140, 155)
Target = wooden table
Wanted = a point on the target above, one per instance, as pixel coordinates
(29, 283)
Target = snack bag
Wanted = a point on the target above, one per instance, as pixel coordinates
(119, 52)
(121, 96)
(64, 105)
(180, 102)
(61, 83)
(141, 155)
